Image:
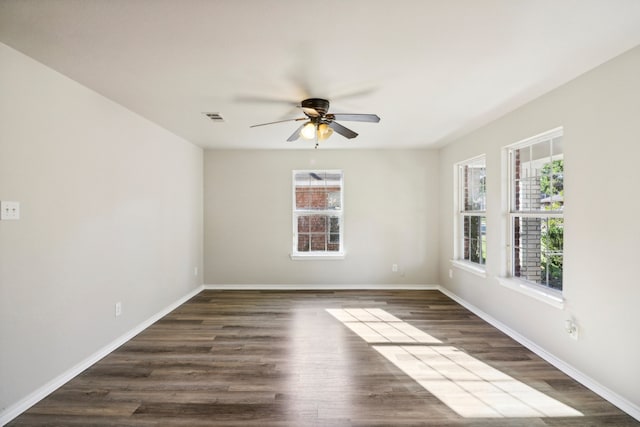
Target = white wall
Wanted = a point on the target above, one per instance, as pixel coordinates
(390, 215)
(600, 113)
(111, 211)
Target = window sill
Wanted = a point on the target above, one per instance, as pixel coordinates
(316, 256)
(550, 296)
(470, 267)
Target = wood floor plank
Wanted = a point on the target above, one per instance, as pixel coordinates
(278, 358)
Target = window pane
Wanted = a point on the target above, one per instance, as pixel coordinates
(318, 242)
(552, 185)
(334, 233)
(318, 190)
(334, 224)
(303, 242)
(333, 198)
(474, 241)
(538, 176)
(318, 223)
(303, 224)
(527, 178)
(552, 250)
(473, 185)
(303, 198)
(538, 250)
(328, 198)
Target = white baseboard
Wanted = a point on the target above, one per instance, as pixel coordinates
(21, 406)
(583, 379)
(317, 287)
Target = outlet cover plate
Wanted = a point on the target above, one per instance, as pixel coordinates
(9, 210)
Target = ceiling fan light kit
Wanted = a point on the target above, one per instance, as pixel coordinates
(324, 131)
(308, 130)
(320, 124)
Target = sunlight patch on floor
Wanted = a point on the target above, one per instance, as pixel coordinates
(377, 326)
(468, 386)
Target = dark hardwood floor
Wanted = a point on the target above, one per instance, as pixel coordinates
(276, 358)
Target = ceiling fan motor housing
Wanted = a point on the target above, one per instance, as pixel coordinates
(318, 104)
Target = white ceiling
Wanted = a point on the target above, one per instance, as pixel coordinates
(432, 70)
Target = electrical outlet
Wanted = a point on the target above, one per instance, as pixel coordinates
(118, 309)
(572, 329)
(450, 274)
(9, 210)
(195, 271)
(394, 268)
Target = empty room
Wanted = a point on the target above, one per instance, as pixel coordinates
(288, 213)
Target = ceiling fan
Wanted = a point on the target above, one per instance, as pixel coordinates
(320, 124)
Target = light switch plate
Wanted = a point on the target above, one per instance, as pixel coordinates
(9, 210)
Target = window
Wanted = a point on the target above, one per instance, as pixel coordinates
(536, 209)
(472, 221)
(317, 213)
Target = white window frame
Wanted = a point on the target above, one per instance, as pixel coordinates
(296, 213)
(461, 213)
(539, 291)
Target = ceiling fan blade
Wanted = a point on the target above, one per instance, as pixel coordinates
(347, 133)
(296, 134)
(372, 118)
(279, 121)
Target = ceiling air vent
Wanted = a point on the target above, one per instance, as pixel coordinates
(215, 117)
